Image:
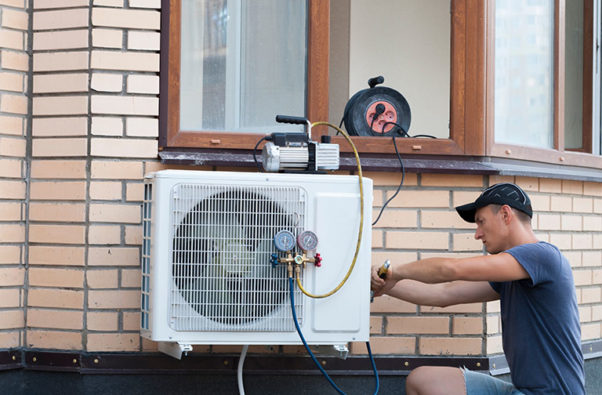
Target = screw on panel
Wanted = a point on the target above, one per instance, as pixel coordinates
(34, 359)
(95, 360)
(14, 358)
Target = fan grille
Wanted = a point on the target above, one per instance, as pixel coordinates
(222, 241)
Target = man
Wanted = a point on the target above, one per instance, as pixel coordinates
(533, 280)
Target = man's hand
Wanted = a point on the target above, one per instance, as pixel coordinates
(381, 286)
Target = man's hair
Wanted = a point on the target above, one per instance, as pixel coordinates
(522, 217)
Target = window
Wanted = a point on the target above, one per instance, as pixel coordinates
(229, 66)
(546, 67)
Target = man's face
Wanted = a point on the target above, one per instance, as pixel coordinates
(491, 229)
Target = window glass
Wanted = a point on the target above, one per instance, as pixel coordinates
(573, 82)
(242, 62)
(524, 72)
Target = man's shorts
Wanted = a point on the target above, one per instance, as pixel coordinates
(481, 383)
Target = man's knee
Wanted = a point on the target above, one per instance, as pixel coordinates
(435, 380)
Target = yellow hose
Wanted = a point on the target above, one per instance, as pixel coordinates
(359, 235)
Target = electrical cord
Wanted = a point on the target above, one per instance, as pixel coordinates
(241, 361)
(311, 354)
(267, 137)
(403, 176)
(360, 232)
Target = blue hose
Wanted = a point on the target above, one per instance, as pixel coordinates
(311, 354)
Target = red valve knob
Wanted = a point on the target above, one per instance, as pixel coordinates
(318, 260)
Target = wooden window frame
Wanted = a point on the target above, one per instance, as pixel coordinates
(467, 123)
(558, 155)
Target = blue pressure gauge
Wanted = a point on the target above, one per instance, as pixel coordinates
(284, 241)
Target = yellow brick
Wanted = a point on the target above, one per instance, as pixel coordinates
(47, 4)
(574, 257)
(11, 125)
(47, 255)
(120, 213)
(133, 19)
(463, 197)
(49, 190)
(467, 325)
(102, 278)
(113, 256)
(130, 278)
(13, 104)
(540, 202)
(548, 222)
(466, 242)
(114, 299)
(107, 126)
(127, 148)
(582, 241)
(592, 188)
(55, 319)
(11, 39)
(14, 60)
(10, 146)
(10, 298)
(142, 127)
(107, 38)
(60, 83)
(418, 240)
(377, 239)
(105, 82)
(450, 346)
(394, 218)
(443, 220)
(583, 205)
(62, 19)
(451, 180)
(12, 189)
(572, 187)
(131, 321)
(61, 340)
(561, 203)
(388, 304)
(11, 211)
(126, 61)
(105, 234)
(494, 346)
(459, 308)
(590, 295)
(592, 258)
(376, 325)
(12, 233)
(60, 40)
(9, 255)
(571, 222)
(11, 319)
(134, 192)
(493, 324)
(10, 339)
(113, 342)
(133, 235)
(60, 105)
(15, 19)
(381, 256)
(126, 170)
(582, 277)
(561, 240)
(550, 185)
(387, 345)
(55, 277)
(59, 234)
(60, 61)
(145, 3)
(529, 184)
(597, 276)
(105, 190)
(11, 276)
(591, 331)
(11, 168)
(417, 325)
(591, 223)
(102, 321)
(147, 84)
(125, 105)
(57, 212)
(58, 169)
(420, 199)
(59, 298)
(10, 81)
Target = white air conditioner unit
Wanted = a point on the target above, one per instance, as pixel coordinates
(206, 271)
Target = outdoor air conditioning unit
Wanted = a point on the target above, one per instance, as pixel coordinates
(207, 277)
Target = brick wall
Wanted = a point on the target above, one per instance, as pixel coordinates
(94, 134)
(14, 64)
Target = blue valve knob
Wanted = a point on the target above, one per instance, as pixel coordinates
(274, 260)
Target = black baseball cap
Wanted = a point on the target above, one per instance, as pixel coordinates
(504, 193)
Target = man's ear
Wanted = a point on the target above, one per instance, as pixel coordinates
(507, 214)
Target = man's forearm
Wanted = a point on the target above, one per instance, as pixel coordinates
(431, 270)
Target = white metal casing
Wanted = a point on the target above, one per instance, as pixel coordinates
(332, 211)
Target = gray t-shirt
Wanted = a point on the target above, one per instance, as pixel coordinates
(540, 323)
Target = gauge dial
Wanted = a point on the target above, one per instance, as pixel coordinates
(307, 240)
(284, 241)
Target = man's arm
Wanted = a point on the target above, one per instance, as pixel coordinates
(444, 294)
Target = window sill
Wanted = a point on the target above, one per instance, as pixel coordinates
(412, 164)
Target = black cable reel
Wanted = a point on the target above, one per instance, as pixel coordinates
(377, 111)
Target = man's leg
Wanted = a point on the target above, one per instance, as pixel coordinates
(434, 380)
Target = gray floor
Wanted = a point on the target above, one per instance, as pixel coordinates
(27, 382)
